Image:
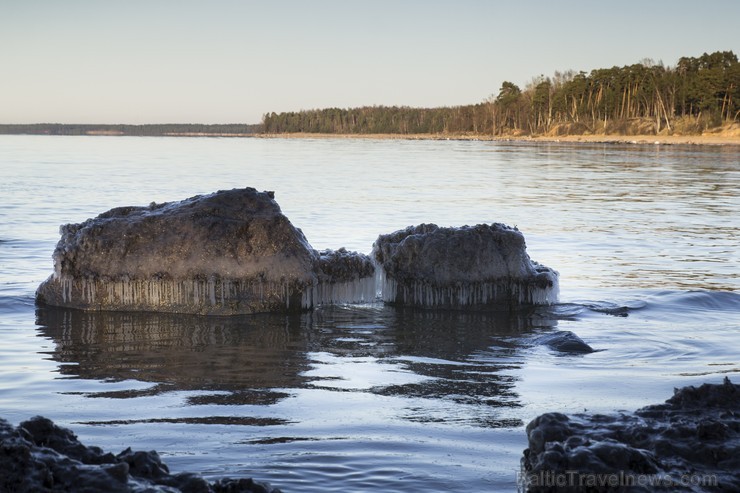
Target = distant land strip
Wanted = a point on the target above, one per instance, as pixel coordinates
(152, 130)
(725, 135)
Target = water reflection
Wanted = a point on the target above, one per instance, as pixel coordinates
(456, 363)
(246, 357)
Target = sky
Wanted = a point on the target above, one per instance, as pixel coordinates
(232, 61)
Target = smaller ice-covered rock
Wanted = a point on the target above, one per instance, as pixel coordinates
(470, 266)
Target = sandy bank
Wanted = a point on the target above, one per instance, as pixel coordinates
(706, 139)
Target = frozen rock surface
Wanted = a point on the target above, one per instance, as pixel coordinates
(470, 266)
(230, 252)
(39, 456)
(689, 443)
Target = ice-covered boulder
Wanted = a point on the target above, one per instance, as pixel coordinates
(470, 266)
(230, 252)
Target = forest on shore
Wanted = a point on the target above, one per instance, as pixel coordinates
(645, 98)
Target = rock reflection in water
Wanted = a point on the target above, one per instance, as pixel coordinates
(467, 358)
(457, 363)
(244, 356)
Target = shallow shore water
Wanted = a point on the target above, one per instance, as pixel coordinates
(357, 397)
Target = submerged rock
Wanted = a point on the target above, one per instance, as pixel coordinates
(39, 456)
(564, 341)
(470, 266)
(689, 443)
(230, 252)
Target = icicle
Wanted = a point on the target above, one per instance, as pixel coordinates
(502, 291)
(358, 291)
(66, 285)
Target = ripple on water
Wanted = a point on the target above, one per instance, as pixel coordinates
(372, 397)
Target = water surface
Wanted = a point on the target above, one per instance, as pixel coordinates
(370, 396)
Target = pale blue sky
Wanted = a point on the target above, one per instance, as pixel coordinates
(219, 61)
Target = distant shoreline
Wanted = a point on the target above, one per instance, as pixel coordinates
(705, 139)
(134, 130)
(729, 137)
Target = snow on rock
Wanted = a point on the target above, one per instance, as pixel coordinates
(229, 252)
(469, 266)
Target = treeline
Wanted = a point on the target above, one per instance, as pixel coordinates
(380, 120)
(153, 130)
(646, 97)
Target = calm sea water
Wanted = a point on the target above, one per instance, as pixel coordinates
(353, 398)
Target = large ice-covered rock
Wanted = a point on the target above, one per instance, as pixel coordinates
(470, 266)
(230, 252)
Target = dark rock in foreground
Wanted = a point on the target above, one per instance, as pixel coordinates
(39, 456)
(690, 443)
(470, 266)
(230, 252)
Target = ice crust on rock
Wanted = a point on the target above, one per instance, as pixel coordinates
(469, 266)
(229, 252)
